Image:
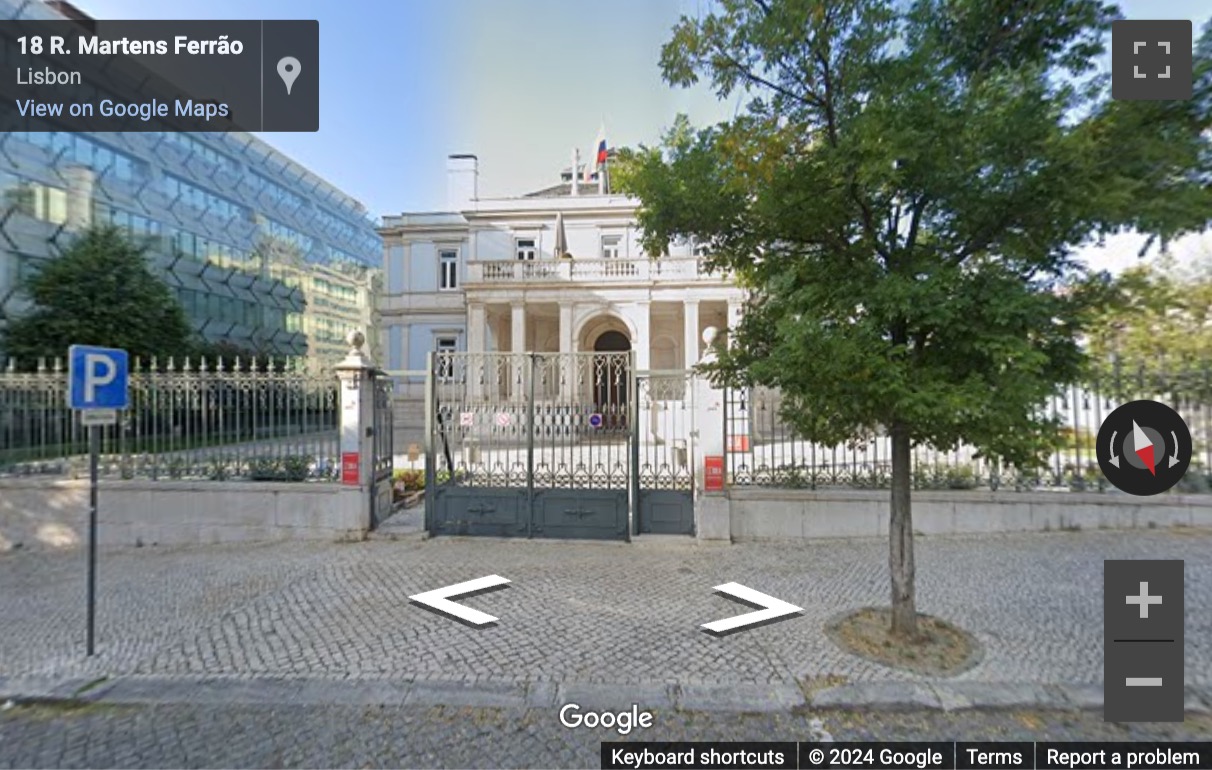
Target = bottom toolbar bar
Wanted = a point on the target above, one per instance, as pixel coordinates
(934, 755)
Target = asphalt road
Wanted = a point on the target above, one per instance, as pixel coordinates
(102, 736)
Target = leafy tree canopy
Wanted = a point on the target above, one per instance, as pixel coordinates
(903, 195)
(100, 291)
(1159, 324)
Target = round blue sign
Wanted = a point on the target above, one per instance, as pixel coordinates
(595, 420)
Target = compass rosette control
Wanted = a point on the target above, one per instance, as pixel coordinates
(1144, 447)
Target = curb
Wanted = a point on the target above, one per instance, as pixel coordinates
(961, 696)
(729, 697)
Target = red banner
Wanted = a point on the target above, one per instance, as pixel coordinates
(349, 468)
(713, 478)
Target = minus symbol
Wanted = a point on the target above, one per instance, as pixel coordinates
(1144, 681)
(1142, 640)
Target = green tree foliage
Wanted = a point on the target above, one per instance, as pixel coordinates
(100, 291)
(1157, 329)
(902, 194)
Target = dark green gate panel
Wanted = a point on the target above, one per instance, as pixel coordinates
(589, 514)
(666, 512)
(665, 455)
(491, 512)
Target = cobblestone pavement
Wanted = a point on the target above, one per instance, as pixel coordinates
(343, 736)
(574, 612)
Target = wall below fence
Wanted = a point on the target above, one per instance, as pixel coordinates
(41, 513)
(781, 514)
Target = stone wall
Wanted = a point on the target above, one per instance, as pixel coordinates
(782, 514)
(42, 513)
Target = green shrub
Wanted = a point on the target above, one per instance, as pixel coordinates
(409, 479)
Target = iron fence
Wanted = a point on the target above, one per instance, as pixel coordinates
(762, 449)
(263, 419)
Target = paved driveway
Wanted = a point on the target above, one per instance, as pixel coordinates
(575, 612)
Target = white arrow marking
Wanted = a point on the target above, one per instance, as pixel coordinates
(1114, 457)
(439, 599)
(1174, 457)
(774, 608)
(1139, 439)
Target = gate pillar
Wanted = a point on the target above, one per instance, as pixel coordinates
(357, 375)
(712, 518)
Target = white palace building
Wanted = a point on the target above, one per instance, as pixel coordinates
(557, 270)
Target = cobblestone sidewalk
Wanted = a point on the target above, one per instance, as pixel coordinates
(575, 613)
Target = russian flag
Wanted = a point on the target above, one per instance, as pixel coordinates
(599, 158)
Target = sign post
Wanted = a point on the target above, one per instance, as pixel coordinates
(97, 388)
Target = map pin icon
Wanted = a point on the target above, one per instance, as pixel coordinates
(288, 70)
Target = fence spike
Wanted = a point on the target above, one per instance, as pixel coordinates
(41, 364)
(219, 364)
(202, 363)
(11, 367)
(185, 364)
(57, 366)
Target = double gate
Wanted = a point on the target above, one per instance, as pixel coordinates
(382, 439)
(557, 445)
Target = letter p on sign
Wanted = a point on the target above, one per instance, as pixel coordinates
(97, 378)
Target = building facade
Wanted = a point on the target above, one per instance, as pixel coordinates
(558, 270)
(263, 254)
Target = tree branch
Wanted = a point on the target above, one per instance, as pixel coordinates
(809, 98)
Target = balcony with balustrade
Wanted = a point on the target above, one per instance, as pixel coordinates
(642, 271)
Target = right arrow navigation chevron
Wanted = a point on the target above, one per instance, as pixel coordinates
(772, 609)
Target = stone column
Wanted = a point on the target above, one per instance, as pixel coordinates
(477, 334)
(357, 374)
(643, 336)
(517, 347)
(690, 338)
(568, 362)
(711, 505)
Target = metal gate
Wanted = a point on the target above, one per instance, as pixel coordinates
(530, 444)
(666, 462)
(382, 441)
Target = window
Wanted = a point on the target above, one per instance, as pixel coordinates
(446, 348)
(448, 270)
(610, 246)
(526, 249)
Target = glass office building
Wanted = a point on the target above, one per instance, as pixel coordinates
(262, 253)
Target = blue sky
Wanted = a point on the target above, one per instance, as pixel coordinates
(519, 83)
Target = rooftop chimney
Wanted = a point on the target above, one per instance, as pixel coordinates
(462, 181)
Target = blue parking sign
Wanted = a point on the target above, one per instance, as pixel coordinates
(96, 377)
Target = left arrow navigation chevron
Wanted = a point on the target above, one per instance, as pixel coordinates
(772, 609)
(439, 599)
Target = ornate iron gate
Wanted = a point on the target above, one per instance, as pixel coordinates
(382, 440)
(530, 444)
(666, 462)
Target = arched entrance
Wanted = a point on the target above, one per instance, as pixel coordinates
(610, 377)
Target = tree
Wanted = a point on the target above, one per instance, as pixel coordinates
(100, 291)
(1158, 328)
(902, 195)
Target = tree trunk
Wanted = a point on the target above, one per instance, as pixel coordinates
(900, 538)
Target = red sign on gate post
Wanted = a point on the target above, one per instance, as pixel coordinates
(349, 468)
(713, 478)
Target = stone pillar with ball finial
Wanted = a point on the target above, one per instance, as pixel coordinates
(357, 374)
(711, 507)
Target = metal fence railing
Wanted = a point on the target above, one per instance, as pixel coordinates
(763, 450)
(263, 419)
